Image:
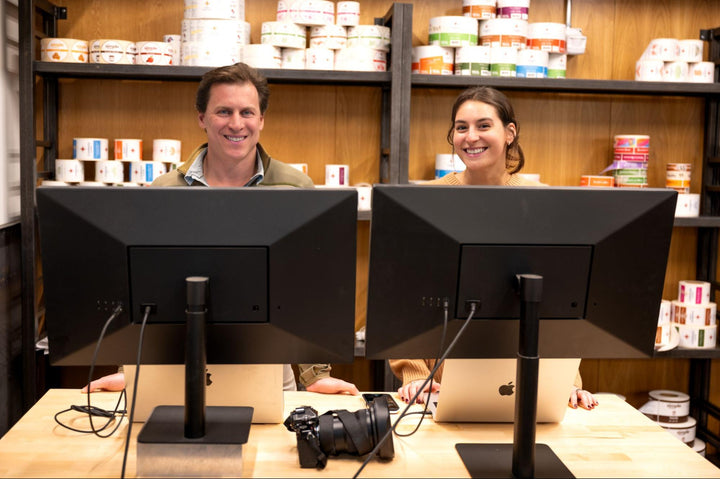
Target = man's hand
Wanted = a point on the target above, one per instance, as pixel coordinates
(333, 386)
(111, 382)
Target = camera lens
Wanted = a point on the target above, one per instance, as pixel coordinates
(358, 432)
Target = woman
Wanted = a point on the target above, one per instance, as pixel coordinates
(484, 134)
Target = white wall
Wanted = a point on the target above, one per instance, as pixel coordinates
(10, 117)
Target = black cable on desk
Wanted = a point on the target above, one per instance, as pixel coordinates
(135, 388)
(459, 334)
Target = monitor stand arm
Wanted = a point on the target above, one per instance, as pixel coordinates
(523, 458)
(194, 440)
(195, 356)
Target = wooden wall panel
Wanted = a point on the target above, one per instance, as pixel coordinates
(564, 136)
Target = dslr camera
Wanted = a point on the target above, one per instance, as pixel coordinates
(340, 431)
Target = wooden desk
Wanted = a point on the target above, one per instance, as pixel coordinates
(614, 440)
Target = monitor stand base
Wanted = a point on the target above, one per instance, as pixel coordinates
(164, 451)
(495, 461)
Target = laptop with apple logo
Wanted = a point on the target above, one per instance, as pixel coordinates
(484, 390)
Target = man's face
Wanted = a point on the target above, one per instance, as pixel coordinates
(232, 122)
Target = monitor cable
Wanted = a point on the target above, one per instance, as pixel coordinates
(424, 412)
(89, 409)
(428, 380)
(146, 314)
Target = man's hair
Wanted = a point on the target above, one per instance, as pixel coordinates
(238, 73)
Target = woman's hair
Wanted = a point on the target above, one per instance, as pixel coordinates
(514, 156)
(238, 73)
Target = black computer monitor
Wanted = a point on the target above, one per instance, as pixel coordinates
(552, 272)
(602, 253)
(228, 275)
(280, 262)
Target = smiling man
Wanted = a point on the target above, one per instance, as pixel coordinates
(231, 102)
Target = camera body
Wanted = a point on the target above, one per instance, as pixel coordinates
(304, 420)
(340, 431)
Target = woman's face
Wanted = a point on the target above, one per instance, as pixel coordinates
(479, 137)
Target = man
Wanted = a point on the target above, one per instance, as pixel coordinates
(231, 102)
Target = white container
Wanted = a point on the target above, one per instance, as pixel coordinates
(373, 36)
(517, 9)
(167, 150)
(473, 60)
(175, 42)
(453, 31)
(670, 406)
(557, 65)
(432, 60)
(548, 37)
(90, 148)
(480, 9)
(262, 56)
(145, 172)
(532, 64)
(649, 70)
(503, 61)
(665, 49)
(364, 198)
(675, 71)
(684, 431)
(319, 59)
(213, 31)
(691, 51)
(328, 36)
(504, 32)
(701, 72)
(446, 163)
(128, 149)
(220, 9)
(154, 53)
(312, 12)
(337, 175)
(693, 292)
(206, 55)
(63, 50)
(69, 171)
(120, 52)
(361, 59)
(283, 34)
(666, 312)
(694, 314)
(293, 58)
(347, 13)
(697, 337)
(109, 171)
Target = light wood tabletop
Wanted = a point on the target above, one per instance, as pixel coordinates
(614, 440)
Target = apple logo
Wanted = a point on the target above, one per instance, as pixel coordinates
(208, 381)
(506, 389)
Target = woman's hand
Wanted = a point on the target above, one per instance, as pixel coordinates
(582, 398)
(409, 390)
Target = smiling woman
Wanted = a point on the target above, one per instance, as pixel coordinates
(485, 135)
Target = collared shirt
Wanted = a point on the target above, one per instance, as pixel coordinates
(196, 173)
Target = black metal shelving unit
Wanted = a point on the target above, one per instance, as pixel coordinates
(396, 85)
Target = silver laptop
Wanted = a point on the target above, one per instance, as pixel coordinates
(484, 390)
(259, 386)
